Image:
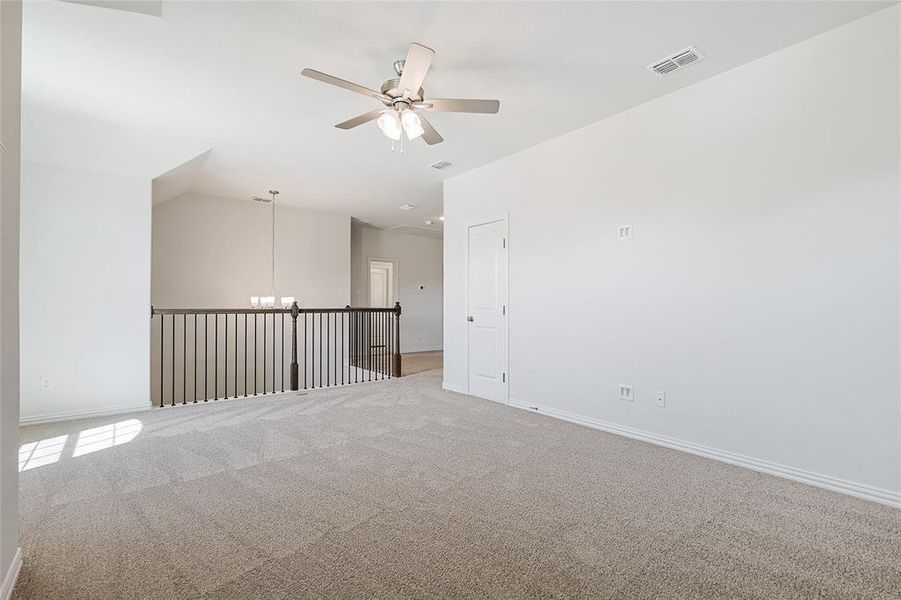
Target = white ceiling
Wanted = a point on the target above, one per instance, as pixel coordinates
(218, 85)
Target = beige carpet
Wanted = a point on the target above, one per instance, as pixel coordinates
(401, 490)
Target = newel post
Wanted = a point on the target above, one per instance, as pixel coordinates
(397, 361)
(294, 379)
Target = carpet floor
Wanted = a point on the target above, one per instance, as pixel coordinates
(399, 489)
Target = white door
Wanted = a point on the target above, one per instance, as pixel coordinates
(381, 295)
(381, 284)
(486, 318)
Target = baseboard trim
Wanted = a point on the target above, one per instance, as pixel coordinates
(828, 482)
(83, 414)
(450, 388)
(9, 581)
(421, 350)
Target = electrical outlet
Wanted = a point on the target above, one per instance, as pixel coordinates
(626, 392)
(625, 232)
(661, 399)
(45, 383)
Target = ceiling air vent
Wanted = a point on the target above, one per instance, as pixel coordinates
(677, 61)
(441, 164)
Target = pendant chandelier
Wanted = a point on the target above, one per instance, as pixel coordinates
(268, 301)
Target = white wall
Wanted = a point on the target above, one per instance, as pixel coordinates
(216, 253)
(10, 78)
(760, 290)
(418, 262)
(85, 291)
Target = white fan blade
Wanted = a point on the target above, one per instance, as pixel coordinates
(365, 118)
(347, 85)
(463, 106)
(419, 59)
(429, 135)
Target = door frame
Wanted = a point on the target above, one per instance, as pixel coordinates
(505, 219)
(394, 277)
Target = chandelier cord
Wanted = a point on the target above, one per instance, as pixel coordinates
(273, 241)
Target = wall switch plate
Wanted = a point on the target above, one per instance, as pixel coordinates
(625, 232)
(45, 383)
(626, 392)
(661, 398)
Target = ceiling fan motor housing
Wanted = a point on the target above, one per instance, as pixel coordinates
(390, 88)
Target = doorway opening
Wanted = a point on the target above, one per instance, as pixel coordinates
(381, 284)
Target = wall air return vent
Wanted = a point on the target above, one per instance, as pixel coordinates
(441, 164)
(677, 61)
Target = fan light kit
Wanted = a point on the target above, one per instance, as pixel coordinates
(404, 100)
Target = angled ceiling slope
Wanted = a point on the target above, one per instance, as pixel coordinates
(153, 8)
(226, 76)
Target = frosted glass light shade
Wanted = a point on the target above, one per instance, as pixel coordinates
(412, 124)
(389, 123)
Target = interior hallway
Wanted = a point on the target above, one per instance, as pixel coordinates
(401, 489)
(420, 362)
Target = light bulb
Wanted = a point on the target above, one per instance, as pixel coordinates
(412, 124)
(287, 301)
(254, 302)
(389, 123)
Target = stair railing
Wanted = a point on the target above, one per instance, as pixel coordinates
(203, 354)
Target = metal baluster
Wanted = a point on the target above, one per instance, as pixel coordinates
(245, 355)
(206, 354)
(173, 361)
(255, 347)
(236, 356)
(194, 356)
(273, 354)
(184, 358)
(264, 354)
(337, 317)
(162, 359)
(304, 350)
(320, 349)
(342, 348)
(216, 357)
(359, 344)
(225, 362)
(283, 352)
(328, 339)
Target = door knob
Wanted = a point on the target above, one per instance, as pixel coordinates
(470, 319)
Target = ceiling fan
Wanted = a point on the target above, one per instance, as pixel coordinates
(404, 99)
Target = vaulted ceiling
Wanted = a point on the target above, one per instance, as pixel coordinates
(212, 91)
